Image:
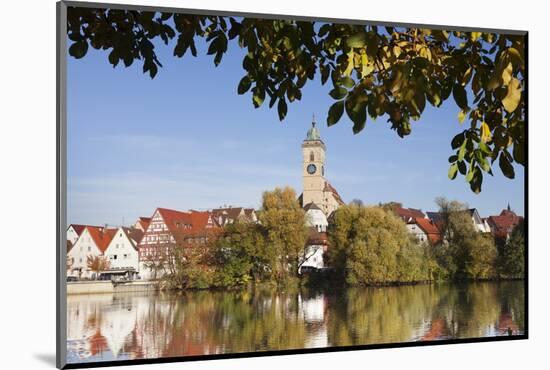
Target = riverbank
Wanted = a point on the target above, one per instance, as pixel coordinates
(98, 287)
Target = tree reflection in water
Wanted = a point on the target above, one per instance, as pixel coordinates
(132, 326)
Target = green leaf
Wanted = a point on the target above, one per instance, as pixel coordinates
(282, 109)
(505, 166)
(519, 153)
(485, 148)
(459, 94)
(113, 58)
(244, 85)
(324, 29)
(462, 150)
(78, 49)
(347, 82)
(476, 181)
(457, 140)
(357, 40)
(513, 96)
(453, 170)
(335, 113)
(258, 97)
(338, 93)
(462, 167)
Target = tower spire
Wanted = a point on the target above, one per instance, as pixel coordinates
(509, 206)
(313, 120)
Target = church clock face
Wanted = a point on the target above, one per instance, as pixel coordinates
(311, 169)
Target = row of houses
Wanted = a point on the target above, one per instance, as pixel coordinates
(427, 227)
(130, 249)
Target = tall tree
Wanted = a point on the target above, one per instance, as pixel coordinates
(512, 258)
(370, 245)
(284, 221)
(466, 253)
(386, 72)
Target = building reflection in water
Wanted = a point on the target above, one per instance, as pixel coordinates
(107, 327)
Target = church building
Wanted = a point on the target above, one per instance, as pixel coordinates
(317, 189)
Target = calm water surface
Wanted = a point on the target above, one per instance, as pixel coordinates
(106, 327)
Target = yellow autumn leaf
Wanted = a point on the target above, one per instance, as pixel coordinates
(462, 115)
(507, 74)
(511, 101)
(349, 69)
(485, 132)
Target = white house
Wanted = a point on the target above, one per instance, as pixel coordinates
(317, 222)
(122, 253)
(92, 242)
(479, 223)
(73, 232)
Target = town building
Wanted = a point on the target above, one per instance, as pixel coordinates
(93, 242)
(317, 241)
(74, 231)
(168, 229)
(317, 189)
(424, 230)
(142, 223)
(503, 224)
(229, 215)
(479, 223)
(122, 254)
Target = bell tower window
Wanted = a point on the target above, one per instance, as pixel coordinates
(311, 156)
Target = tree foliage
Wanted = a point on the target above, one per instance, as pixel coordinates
(370, 246)
(512, 255)
(97, 264)
(466, 253)
(389, 72)
(284, 221)
(242, 255)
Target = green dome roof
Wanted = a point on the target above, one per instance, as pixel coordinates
(313, 133)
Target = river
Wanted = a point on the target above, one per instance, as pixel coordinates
(123, 326)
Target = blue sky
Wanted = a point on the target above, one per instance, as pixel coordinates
(187, 140)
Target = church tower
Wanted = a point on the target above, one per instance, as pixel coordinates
(316, 189)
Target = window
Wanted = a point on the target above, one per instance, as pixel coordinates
(80, 259)
(125, 256)
(89, 248)
(114, 257)
(311, 156)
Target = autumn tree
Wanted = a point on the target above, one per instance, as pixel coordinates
(389, 72)
(188, 266)
(466, 253)
(512, 256)
(284, 221)
(242, 255)
(97, 264)
(370, 246)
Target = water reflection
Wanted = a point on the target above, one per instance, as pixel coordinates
(133, 326)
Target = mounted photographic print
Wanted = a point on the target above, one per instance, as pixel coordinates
(235, 184)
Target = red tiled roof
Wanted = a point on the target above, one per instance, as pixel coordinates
(78, 228)
(408, 213)
(144, 222)
(502, 225)
(329, 187)
(135, 235)
(430, 228)
(185, 223)
(101, 236)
